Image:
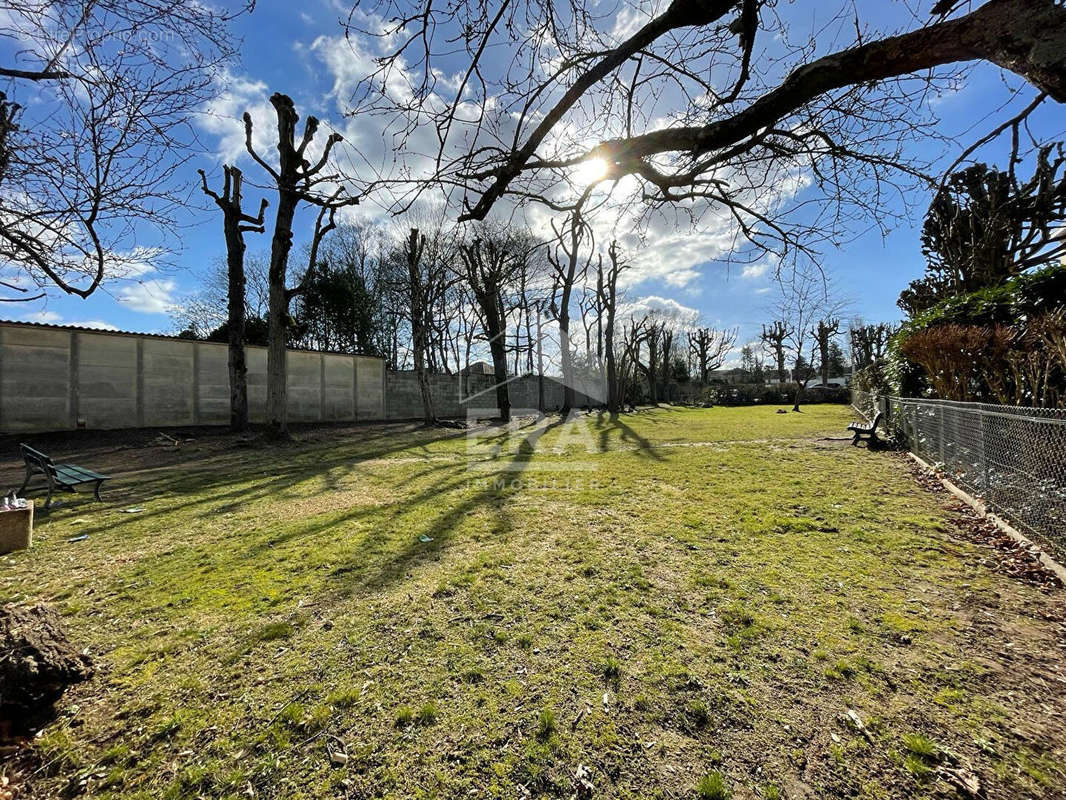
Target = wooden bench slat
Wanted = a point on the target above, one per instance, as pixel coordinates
(86, 474)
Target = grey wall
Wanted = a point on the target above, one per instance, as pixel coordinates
(62, 379)
(456, 396)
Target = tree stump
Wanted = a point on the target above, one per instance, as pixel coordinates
(37, 662)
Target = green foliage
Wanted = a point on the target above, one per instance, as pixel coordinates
(611, 668)
(921, 745)
(984, 227)
(1018, 298)
(546, 725)
(338, 310)
(712, 786)
(255, 332)
(1016, 301)
(404, 717)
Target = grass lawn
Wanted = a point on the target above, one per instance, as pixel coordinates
(682, 604)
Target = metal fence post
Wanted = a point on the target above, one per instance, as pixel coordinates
(940, 416)
(985, 482)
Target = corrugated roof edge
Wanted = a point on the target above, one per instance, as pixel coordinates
(105, 331)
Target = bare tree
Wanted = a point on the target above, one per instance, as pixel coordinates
(804, 298)
(607, 291)
(709, 347)
(95, 126)
(297, 180)
(418, 304)
(824, 333)
(869, 343)
(490, 262)
(755, 101)
(568, 267)
(235, 223)
(774, 339)
(427, 283)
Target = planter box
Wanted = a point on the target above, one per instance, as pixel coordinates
(16, 528)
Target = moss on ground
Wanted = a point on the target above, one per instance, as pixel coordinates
(664, 598)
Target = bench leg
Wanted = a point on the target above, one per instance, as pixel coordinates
(855, 439)
(25, 483)
(96, 490)
(48, 499)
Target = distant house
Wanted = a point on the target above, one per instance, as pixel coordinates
(479, 368)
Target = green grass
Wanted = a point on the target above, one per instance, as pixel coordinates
(712, 786)
(655, 598)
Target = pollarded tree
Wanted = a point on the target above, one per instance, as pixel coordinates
(235, 223)
(568, 266)
(607, 294)
(709, 347)
(985, 226)
(773, 338)
(869, 343)
(298, 180)
(804, 299)
(825, 333)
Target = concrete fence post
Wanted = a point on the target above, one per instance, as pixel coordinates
(140, 382)
(321, 387)
(195, 383)
(355, 388)
(73, 378)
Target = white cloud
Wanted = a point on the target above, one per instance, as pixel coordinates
(154, 296)
(753, 271)
(46, 317)
(223, 116)
(661, 308)
(98, 324)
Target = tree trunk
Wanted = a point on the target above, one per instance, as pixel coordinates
(540, 366)
(566, 357)
(236, 322)
(278, 317)
(494, 328)
(419, 323)
(612, 368)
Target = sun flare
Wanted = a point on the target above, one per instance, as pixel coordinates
(592, 170)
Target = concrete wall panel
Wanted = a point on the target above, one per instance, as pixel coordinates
(167, 382)
(107, 381)
(369, 387)
(212, 383)
(303, 386)
(339, 388)
(35, 379)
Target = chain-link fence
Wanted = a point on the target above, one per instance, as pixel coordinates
(1013, 458)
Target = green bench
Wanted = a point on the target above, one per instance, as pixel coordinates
(869, 432)
(65, 477)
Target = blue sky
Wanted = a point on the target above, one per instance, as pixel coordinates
(298, 52)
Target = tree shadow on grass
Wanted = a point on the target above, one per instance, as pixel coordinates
(365, 547)
(230, 481)
(492, 490)
(606, 424)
